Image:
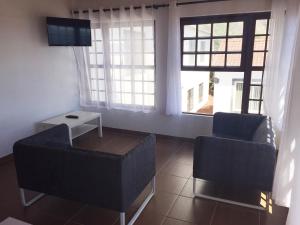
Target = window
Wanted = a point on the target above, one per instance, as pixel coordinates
(190, 99)
(200, 92)
(237, 97)
(225, 49)
(128, 78)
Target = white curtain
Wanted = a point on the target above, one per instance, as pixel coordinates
(173, 104)
(118, 70)
(285, 175)
(275, 82)
(292, 139)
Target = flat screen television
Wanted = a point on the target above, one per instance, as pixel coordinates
(68, 32)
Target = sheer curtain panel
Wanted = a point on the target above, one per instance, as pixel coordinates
(119, 68)
(275, 76)
(173, 106)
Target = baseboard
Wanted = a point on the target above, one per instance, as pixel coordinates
(6, 159)
(144, 133)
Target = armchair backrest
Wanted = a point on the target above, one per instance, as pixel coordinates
(233, 125)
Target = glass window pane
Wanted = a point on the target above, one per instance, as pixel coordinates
(203, 59)
(114, 33)
(125, 46)
(237, 97)
(137, 45)
(94, 95)
(125, 74)
(126, 98)
(148, 32)
(236, 28)
(125, 32)
(190, 31)
(189, 60)
(97, 73)
(149, 59)
(117, 98)
(98, 34)
(262, 109)
(126, 86)
(233, 60)
(116, 86)
(253, 107)
(218, 60)
(256, 77)
(93, 59)
(94, 84)
(203, 45)
(149, 87)
(148, 46)
(92, 49)
(219, 29)
(138, 59)
(138, 87)
(235, 44)
(138, 99)
(137, 32)
(149, 100)
(189, 45)
(102, 96)
(94, 73)
(101, 85)
(149, 75)
(99, 59)
(204, 30)
(219, 45)
(261, 26)
(138, 74)
(268, 42)
(255, 92)
(98, 46)
(126, 59)
(259, 43)
(258, 59)
(116, 74)
(115, 46)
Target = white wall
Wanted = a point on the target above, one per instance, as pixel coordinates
(36, 81)
(188, 125)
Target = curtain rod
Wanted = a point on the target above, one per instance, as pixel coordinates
(155, 6)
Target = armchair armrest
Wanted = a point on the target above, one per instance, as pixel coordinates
(233, 125)
(234, 162)
(138, 169)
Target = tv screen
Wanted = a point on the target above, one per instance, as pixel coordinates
(68, 32)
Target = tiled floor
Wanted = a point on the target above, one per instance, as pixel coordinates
(173, 203)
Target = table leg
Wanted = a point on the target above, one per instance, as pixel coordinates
(100, 134)
(70, 136)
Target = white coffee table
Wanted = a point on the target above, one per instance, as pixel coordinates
(13, 221)
(78, 126)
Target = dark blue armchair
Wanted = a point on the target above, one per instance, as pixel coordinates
(240, 153)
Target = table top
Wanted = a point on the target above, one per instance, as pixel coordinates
(83, 117)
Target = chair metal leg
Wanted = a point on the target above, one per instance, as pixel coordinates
(33, 200)
(141, 208)
(122, 218)
(224, 200)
